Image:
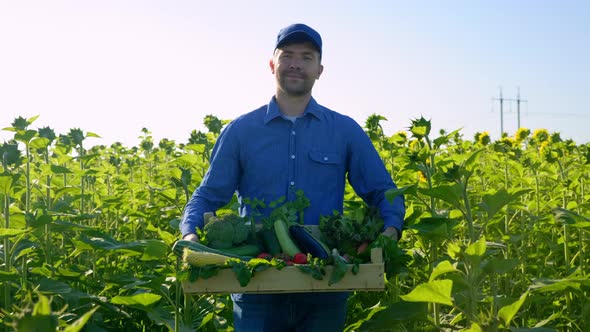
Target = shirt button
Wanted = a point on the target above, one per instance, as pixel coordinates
(325, 158)
(292, 183)
(292, 156)
(293, 132)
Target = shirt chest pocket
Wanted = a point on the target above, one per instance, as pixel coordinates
(325, 158)
(327, 168)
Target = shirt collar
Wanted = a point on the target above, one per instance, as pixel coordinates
(272, 110)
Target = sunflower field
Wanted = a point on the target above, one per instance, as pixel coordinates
(495, 239)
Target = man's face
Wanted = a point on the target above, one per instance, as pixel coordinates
(296, 67)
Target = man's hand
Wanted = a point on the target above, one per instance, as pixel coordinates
(391, 232)
(191, 237)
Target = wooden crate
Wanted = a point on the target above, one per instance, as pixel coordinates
(290, 280)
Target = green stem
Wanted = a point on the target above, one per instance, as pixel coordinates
(431, 171)
(433, 258)
(471, 301)
(494, 296)
(566, 239)
(177, 300)
(28, 180)
(468, 214)
(188, 307)
(537, 194)
(82, 178)
(396, 289)
(7, 264)
(48, 204)
(434, 246)
(582, 234)
(506, 219)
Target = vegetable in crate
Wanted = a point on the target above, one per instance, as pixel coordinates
(226, 232)
(307, 242)
(203, 258)
(270, 241)
(179, 248)
(287, 244)
(349, 232)
(244, 250)
(300, 258)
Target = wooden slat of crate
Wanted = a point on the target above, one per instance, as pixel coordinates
(291, 280)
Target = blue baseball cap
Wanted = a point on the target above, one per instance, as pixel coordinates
(299, 33)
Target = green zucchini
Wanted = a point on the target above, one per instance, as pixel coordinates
(251, 250)
(287, 245)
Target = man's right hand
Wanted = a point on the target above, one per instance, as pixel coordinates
(191, 237)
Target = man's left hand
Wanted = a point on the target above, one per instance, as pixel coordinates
(391, 232)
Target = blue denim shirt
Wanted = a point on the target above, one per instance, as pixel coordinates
(262, 155)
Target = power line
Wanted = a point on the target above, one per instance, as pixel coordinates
(556, 114)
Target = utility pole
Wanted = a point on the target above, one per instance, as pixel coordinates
(502, 100)
(518, 101)
(501, 112)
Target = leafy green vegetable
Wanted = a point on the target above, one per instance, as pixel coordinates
(291, 212)
(347, 232)
(202, 272)
(340, 269)
(314, 267)
(394, 258)
(243, 273)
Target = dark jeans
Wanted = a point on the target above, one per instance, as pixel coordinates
(302, 312)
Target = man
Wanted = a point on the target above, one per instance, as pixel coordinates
(291, 144)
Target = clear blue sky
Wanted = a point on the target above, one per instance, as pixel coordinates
(113, 67)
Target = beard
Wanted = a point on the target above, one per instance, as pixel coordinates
(296, 87)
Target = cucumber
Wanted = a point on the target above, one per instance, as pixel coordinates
(270, 241)
(178, 249)
(251, 250)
